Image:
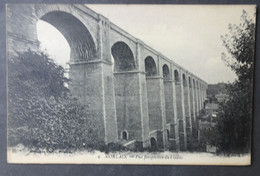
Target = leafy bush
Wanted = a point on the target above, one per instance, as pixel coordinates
(43, 115)
(231, 135)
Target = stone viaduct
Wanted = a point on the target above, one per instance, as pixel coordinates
(139, 96)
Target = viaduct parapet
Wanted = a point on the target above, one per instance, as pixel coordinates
(140, 97)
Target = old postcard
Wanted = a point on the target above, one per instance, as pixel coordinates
(130, 84)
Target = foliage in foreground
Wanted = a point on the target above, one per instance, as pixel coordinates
(43, 116)
(233, 128)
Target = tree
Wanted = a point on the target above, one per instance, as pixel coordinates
(240, 43)
(233, 128)
(42, 114)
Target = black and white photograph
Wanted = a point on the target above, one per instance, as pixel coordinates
(130, 84)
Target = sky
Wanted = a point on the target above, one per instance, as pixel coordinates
(187, 34)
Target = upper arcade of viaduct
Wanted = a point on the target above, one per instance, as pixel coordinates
(96, 34)
(135, 91)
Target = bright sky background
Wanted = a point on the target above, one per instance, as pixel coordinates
(189, 35)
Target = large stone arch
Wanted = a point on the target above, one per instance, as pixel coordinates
(189, 81)
(176, 76)
(193, 82)
(78, 36)
(184, 80)
(115, 37)
(150, 66)
(123, 57)
(166, 72)
(154, 144)
(87, 18)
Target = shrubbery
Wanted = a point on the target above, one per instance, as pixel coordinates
(42, 114)
(232, 132)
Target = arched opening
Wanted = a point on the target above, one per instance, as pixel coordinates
(65, 38)
(192, 105)
(168, 135)
(82, 46)
(180, 109)
(150, 66)
(198, 92)
(201, 96)
(184, 81)
(123, 57)
(154, 95)
(166, 72)
(54, 43)
(124, 135)
(195, 97)
(168, 95)
(124, 87)
(194, 85)
(187, 108)
(176, 76)
(154, 146)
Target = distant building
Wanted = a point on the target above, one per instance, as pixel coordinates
(207, 122)
(222, 97)
(211, 108)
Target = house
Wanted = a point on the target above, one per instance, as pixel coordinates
(211, 108)
(222, 97)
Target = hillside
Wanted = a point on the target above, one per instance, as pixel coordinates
(214, 89)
